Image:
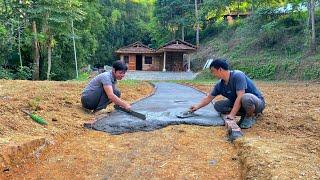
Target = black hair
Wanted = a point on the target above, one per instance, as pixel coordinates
(120, 66)
(220, 63)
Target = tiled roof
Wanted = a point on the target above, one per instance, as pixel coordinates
(136, 48)
(177, 46)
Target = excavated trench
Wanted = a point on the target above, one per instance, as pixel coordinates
(161, 110)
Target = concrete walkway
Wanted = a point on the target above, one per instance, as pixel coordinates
(159, 75)
(161, 109)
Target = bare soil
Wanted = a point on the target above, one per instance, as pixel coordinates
(283, 144)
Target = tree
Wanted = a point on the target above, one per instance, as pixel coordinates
(173, 16)
(36, 53)
(313, 44)
(197, 22)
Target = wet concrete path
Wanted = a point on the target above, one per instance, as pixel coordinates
(161, 109)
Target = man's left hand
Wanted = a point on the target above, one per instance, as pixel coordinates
(230, 116)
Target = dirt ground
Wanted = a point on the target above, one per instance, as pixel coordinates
(284, 144)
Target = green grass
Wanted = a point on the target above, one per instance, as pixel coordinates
(130, 82)
(83, 76)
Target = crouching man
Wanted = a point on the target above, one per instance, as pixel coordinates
(243, 98)
(102, 90)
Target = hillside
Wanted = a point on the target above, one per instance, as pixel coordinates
(265, 46)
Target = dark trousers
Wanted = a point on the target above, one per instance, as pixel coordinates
(248, 101)
(97, 99)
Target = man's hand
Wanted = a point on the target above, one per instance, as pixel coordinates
(127, 107)
(193, 108)
(230, 116)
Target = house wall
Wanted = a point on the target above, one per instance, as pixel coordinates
(155, 66)
(174, 61)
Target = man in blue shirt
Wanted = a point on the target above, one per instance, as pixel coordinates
(243, 97)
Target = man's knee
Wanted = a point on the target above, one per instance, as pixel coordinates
(117, 92)
(85, 102)
(222, 106)
(251, 103)
(217, 107)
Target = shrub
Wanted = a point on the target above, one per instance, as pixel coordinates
(5, 74)
(204, 75)
(24, 73)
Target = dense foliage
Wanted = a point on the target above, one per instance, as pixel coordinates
(36, 37)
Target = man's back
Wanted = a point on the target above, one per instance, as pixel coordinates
(97, 82)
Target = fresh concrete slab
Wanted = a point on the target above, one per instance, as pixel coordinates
(161, 110)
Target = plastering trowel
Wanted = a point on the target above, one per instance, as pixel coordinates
(131, 112)
(186, 114)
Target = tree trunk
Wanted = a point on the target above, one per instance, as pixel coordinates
(252, 7)
(313, 31)
(49, 57)
(74, 50)
(36, 53)
(48, 44)
(19, 44)
(238, 9)
(182, 32)
(309, 13)
(197, 23)
(19, 35)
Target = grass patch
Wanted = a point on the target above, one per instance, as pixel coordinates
(83, 76)
(129, 82)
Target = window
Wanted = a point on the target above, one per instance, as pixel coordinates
(126, 59)
(148, 60)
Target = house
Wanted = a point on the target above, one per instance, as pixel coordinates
(168, 57)
(231, 16)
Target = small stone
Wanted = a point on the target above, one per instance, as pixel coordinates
(6, 169)
(212, 162)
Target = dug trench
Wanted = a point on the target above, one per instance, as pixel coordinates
(272, 148)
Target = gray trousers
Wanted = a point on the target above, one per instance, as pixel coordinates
(248, 101)
(97, 99)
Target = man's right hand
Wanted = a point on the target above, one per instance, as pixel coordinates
(193, 108)
(127, 107)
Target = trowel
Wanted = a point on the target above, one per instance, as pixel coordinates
(186, 114)
(131, 112)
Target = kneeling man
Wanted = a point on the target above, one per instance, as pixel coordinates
(243, 97)
(102, 90)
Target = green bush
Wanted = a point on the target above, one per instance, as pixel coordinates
(204, 75)
(83, 76)
(24, 73)
(5, 74)
(311, 73)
